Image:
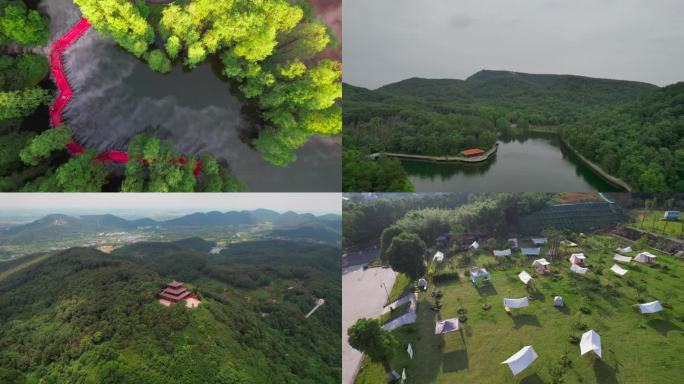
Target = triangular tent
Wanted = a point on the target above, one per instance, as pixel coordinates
(525, 277)
(652, 307)
(577, 269)
(578, 258)
(622, 259)
(439, 256)
(625, 250)
(521, 359)
(618, 271)
(591, 341)
(446, 326)
(645, 257)
(516, 303)
(503, 252)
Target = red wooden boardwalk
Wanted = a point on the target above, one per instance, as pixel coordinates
(65, 94)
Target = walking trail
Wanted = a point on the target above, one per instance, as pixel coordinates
(65, 93)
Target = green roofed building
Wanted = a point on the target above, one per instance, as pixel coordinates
(583, 216)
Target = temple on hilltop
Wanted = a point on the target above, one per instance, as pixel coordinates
(175, 292)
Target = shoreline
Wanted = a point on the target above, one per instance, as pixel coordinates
(596, 168)
(441, 159)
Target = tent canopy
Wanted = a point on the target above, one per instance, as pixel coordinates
(531, 251)
(568, 243)
(422, 282)
(540, 262)
(591, 341)
(439, 256)
(502, 252)
(618, 271)
(521, 359)
(577, 269)
(525, 277)
(624, 259)
(577, 258)
(446, 326)
(516, 303)
(513, 241)
(477, 274)
(539, 240)
(645, 257)
(652, 307)
(625, 250)
(558, 301)
(474, 245)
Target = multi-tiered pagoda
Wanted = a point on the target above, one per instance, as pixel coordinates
(174, 292)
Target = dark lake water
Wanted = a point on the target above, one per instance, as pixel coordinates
(536, 162)
(117, 96)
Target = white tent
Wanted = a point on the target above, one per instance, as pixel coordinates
(645, 258)
(568, 243)
(525, 277)
(591, 341)
(446, 326)
(516, 303)
(577, 269)
(513, 241)
(503, 252)
(474, 245)
(578, 258)
(422, 283)
(538, 240)
(478, 275)
(521, 359)
(624, 259)
(541, 265)
(625, 250)
(439, 257)
(652, 307)
(618, 271)
(558, 301)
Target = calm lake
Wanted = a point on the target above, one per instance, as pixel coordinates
(536, 162)
(117, 96)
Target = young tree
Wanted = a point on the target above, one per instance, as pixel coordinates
(159, 62)
(406, 254)
(23, 26)
(44, 144)
(16, 104)
(82, 174)
(386, 239)
(367, 336)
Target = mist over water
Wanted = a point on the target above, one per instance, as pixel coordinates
(117, 96)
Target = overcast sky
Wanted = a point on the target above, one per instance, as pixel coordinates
(390, 40)
(317, 203)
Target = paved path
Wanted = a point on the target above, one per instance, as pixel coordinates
(447, 159)
(362, 296)
(407, 318)
(397, 303)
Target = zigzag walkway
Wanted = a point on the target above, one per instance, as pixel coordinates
(56, 49)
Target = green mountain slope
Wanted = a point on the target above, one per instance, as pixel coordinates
(82, 316)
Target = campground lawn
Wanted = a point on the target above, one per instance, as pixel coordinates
(636, 348)
(653, 221)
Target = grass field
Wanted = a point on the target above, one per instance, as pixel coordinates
(653, 222)
(636, 348)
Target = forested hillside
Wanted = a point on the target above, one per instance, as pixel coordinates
(632, 130)
(84, 316)
(642, 143)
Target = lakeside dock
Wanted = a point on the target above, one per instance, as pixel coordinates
(441, 159)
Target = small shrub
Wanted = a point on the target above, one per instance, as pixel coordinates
(579, 325)
(573, 339)
(443, 276)
(586, 310)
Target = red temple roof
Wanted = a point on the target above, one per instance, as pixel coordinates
(472, 152)
(175, 284)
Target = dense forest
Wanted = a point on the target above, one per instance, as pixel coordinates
(632, 130)
(35, 158)
(84, 316)
(268, 47)
(432, 215)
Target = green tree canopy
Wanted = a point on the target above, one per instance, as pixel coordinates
(406, 254)
(367, 336)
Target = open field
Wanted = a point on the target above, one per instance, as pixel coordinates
(653, 222)
(636, 348)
